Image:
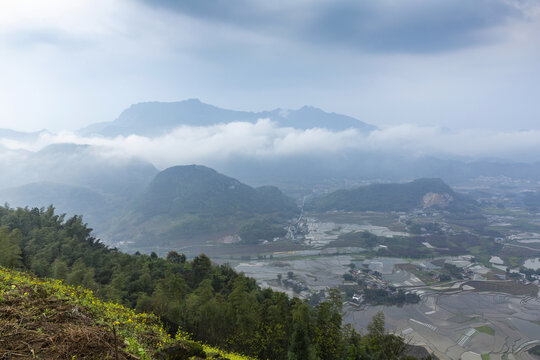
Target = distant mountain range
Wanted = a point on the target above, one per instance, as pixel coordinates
(158, 118)
(125, 197)
(418, 194)
(20, 135)
(77, 165)
(95, 206)
(295, 174)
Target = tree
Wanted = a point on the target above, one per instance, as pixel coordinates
(300, 348)
(10, 252)
(328, 336)
(176, 258)
(60, 269)
(201, 267)
(383, 346)
(245, 312)
(213, 303)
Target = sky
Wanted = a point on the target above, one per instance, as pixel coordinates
(455, 64)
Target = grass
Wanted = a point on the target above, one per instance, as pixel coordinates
(44, 318)
(486, 330)
(514, 261)
(485, 356)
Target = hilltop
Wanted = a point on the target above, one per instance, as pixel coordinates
(421, 193)
(189, 201)
(195, 189)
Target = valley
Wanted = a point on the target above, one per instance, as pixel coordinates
(270, 180)
(472, 282)
(415, 250)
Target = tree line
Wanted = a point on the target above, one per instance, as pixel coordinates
(212, 302)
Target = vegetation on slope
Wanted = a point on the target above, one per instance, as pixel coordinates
(412, 246)
(46, 319)
(213, 303)
(388, 197)
(195, 189)
(188, 201)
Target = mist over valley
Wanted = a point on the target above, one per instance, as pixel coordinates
(307, 180)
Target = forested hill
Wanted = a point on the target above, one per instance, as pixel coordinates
(194, 202)
(195, 189)
(214, 303)
(421, 193)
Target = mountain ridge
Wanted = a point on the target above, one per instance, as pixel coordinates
(188, 202)
(195, 188)
(157, 118)
(418, 194)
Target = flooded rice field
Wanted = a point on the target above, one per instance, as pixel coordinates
(452, 325)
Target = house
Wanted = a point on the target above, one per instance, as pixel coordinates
(357, 298)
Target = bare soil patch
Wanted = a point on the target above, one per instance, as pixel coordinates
(35, 326)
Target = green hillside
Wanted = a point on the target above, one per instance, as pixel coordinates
(184, 202)
(46, 319)
(194, 189)
(213, 303)
(391, 197)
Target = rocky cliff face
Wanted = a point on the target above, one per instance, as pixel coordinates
(437, 200)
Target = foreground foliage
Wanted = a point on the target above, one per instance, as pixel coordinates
(47, 319)
(213, 303)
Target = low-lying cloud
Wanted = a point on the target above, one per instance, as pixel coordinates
(266, 140)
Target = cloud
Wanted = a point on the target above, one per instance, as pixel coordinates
(457, 63)
(44, 37)
(417, 26)
(265, 140)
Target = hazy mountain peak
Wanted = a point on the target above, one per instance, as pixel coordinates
(22, 135)
(158, 118)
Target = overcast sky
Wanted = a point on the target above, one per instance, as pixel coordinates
(461, 64)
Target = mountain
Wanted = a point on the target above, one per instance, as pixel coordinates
(72, 200)
(421, 193)
(21, 136)
(299, 174)
(194, 189)
(77, 165)
(75, 179)
(187, 202)
(158, 118)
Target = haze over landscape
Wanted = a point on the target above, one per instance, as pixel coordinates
(284, 180)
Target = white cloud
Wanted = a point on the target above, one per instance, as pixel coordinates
(66, 64)
(263, 140)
